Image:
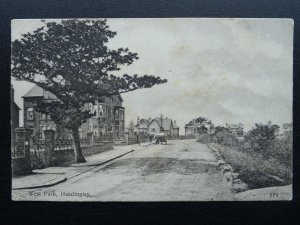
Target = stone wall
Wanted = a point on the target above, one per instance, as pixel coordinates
(64, 156)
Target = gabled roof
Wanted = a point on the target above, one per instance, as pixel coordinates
(166, 123)
(36, 91)
(16, 106)
(143, 121)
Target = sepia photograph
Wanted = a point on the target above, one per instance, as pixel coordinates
(152, 109)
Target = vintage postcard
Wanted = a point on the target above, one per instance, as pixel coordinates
(162, 109)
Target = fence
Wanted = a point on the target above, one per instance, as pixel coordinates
(63, 144)
(63, 149)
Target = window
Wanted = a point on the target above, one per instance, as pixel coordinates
(42, 116)
(122, 115)
(101, 111)
(42, 134)
(90, 127)
(30, 114)
(96, 131)
(117, 114)
(104, 110)
(46, 94)
(153, 129)
(109, 112)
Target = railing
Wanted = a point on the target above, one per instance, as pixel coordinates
(63, 144)
(85, 142)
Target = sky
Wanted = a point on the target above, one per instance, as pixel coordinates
(228, 70)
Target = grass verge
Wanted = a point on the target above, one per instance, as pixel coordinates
(256, 170)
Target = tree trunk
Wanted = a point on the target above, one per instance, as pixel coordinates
(77, 149)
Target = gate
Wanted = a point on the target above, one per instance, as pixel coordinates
(37, 153)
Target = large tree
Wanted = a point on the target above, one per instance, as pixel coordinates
(70, 59)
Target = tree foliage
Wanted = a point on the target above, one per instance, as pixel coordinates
(261, 136)
(219, 129)
(71, 60)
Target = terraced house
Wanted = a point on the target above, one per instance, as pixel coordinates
(109, 117)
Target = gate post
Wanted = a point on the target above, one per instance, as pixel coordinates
(49, 146)
(21, 162)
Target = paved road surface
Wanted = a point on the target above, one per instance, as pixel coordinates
(182, 170)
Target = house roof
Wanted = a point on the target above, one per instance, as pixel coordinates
(36, 91)
(166, 123)
(16, 106)
(143, 121)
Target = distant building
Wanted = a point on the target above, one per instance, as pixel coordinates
(287, 128)
(197, 126)
(14, 116)
(175, 129)
(166, 125)
(142, 126)
(151, 126)
(109, 116)
(236, 129)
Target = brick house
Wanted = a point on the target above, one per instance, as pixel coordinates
(14, 116)
(109, 116)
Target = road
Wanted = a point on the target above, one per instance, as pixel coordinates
(182, 170)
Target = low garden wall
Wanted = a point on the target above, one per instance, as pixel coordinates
(62, 156)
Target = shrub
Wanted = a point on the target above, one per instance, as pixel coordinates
(254, 169)
(204, 138)
(282, 150)
(225, 138)
(261, 137)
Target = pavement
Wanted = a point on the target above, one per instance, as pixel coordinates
(182, 170)
(51, 176)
